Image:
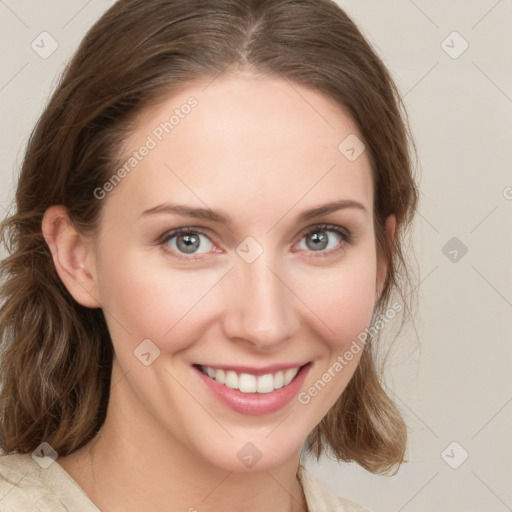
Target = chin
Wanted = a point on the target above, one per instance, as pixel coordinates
(254, 452)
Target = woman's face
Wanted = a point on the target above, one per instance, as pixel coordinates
(256, 287)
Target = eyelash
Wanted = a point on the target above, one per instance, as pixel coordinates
(345, 234)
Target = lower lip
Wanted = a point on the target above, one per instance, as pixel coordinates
(255, 404)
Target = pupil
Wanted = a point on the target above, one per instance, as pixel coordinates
(191, 242)
(319, 240)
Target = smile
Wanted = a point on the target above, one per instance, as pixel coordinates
(249, 383)
(253, 391)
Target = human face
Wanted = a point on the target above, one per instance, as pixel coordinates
(253, 295)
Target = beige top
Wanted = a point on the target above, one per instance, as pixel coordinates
(27, 487)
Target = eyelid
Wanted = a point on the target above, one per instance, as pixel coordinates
(343, 231)
(171, 233)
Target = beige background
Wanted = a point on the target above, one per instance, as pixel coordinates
(452, 380)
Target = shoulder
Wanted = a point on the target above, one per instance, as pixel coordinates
(320, 498)
(26, 485)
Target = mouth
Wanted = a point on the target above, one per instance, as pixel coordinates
(254, 391)
(247, 382)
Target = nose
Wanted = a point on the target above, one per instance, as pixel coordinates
(261, 311)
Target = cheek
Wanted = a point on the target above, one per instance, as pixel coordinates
(343, 303)
(343, 300)
(144, 300)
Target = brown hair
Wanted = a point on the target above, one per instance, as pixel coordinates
(57, 355)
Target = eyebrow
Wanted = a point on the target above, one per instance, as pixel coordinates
(221, 217)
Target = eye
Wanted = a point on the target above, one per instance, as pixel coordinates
(187, 241)
(317, 238)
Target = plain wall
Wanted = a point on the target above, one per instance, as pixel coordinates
(450, 373)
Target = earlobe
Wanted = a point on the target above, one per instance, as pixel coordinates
(72, 256)
(382, 266)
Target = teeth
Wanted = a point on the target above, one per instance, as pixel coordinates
(247, 383)
(289, 374)
(231, 380)
(265, 383)
(220, 376)
(279, 380)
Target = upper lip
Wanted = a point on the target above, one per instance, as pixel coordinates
(255, 371)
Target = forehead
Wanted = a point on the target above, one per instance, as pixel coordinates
(252, 142)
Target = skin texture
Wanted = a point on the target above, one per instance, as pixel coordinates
(262, 151)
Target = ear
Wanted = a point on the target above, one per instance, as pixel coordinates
(73, 256)
(382, 265)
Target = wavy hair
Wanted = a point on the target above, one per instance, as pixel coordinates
(56, 355)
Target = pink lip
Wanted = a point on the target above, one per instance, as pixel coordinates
(255, 404)
(256, 371)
